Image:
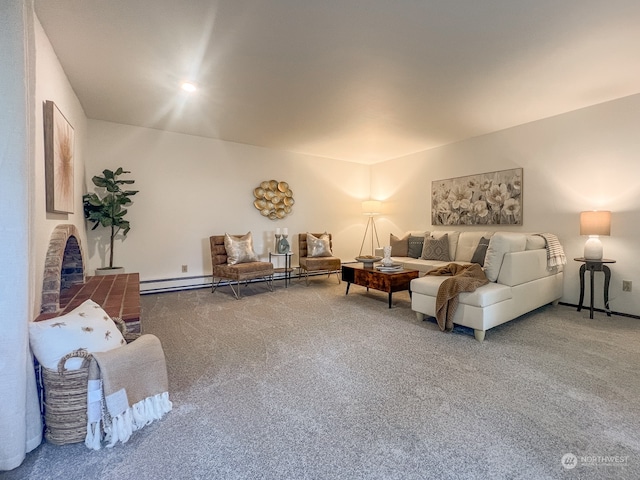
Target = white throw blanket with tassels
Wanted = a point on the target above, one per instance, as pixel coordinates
(555, 252)
(128, 389)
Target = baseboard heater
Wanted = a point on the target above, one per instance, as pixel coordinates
(177, 284)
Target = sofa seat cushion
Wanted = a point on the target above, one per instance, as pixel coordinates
(421, 264)
(243, 271)
(484, 296)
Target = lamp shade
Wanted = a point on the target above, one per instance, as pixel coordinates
(595, 223)
(371, 207)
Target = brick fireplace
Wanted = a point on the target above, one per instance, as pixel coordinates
(63, 268)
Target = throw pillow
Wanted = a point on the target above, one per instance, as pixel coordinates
(87, 326)
(436, 249)
(481, 251)
(399, 246)
(318, 247)
(414, 246)
(454, 236)
(239, 249)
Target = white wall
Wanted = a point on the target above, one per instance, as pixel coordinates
(583, 160)
(52, 84)
(193, 187)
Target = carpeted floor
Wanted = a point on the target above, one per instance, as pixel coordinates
(307, 383)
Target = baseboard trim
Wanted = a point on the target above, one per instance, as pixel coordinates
(600, 310)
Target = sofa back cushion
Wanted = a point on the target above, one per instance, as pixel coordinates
(467, 245)
(500, 244)
(535, 242)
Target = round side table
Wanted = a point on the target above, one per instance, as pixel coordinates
(595, 266)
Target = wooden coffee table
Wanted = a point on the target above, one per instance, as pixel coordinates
(384, 281)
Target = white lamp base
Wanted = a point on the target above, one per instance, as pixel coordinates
(593, 249)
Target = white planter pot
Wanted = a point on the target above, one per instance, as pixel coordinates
(109, 271)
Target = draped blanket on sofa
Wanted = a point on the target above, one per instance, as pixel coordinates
(464, 278)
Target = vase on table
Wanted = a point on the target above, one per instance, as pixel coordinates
(283, 245)
(387, 261)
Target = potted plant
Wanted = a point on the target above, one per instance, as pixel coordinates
(108, 209)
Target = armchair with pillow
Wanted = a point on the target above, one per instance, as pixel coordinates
(315, 250)
(233, 259)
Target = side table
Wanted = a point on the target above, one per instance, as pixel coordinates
(595, 266)
(287, 269)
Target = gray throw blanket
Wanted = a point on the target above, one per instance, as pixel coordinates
(464, 278)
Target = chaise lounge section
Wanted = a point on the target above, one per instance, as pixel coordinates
(521, 277)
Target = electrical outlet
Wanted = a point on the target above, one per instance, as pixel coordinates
(626, 285)
(184, 269)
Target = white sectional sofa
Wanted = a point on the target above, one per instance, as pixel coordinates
(516, 265)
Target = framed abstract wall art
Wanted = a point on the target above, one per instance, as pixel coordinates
(58, 160)
(493, 198)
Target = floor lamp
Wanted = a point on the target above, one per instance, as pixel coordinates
(370, 208)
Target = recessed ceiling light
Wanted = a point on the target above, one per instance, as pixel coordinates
(188, 87)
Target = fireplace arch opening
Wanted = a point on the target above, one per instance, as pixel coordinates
(64, 266)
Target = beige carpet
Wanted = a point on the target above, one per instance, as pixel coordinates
(306, 382)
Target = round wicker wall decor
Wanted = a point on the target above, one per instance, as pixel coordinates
(273, 199)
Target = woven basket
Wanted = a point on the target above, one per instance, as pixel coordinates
(65, 396)
(65, 400)
(122, 326)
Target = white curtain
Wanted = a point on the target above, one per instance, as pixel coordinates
(20, 425)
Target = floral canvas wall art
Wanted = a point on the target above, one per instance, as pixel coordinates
(484, 199)
(58, 157)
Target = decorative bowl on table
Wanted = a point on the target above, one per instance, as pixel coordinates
(368, 260)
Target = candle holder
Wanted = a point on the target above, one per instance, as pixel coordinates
(277, 242)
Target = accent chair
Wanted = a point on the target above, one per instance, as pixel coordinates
(238, 272)
(309, 263)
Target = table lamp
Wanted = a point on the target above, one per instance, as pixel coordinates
(594, 224)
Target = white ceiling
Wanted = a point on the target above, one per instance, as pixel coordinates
(357, 80)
